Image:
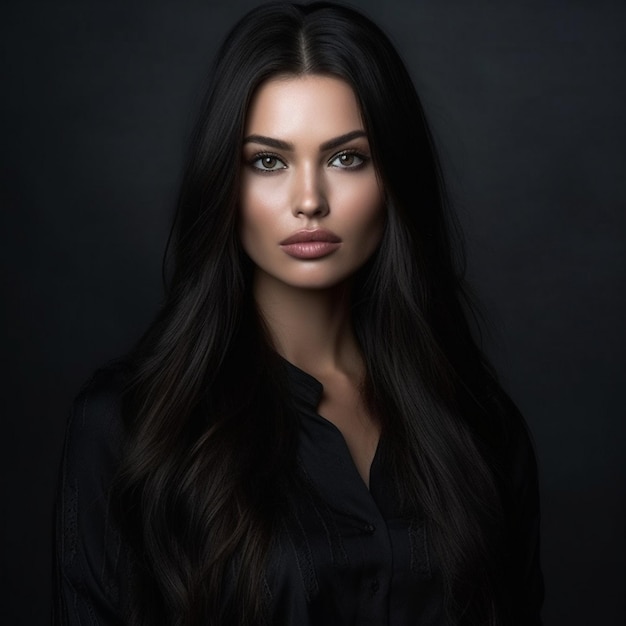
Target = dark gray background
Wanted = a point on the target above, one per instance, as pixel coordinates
(527, 101)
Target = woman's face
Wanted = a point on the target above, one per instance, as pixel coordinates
(311, 208)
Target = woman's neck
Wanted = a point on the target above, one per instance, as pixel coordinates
(311, 328)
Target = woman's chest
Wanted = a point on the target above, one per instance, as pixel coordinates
(342, 554)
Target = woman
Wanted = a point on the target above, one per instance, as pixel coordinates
(307, 433)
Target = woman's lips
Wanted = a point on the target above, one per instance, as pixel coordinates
(310, 249)
(311, 244)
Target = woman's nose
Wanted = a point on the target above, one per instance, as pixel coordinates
(309, 196)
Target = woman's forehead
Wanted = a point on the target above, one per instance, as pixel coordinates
(290, 107)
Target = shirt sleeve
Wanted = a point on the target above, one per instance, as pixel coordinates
(89, 558)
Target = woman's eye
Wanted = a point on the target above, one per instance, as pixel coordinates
(347, 160)
(267, 163)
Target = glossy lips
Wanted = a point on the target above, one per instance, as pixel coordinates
(311, 244)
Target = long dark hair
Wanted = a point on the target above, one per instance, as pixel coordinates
(210, 443)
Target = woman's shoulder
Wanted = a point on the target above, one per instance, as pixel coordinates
(94, 434)
(517, 447)
(105, 387)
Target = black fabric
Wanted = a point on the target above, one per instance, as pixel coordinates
(344, 554)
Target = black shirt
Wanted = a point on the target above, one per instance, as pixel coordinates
(344, 554)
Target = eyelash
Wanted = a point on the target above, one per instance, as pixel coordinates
(261, 155)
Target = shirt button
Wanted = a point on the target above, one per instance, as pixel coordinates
(374, 587)
(369, 528)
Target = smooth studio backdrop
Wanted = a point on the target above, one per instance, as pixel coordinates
(527, 102)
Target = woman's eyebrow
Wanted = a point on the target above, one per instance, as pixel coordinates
(337, 141)
(285, 145)
(269, 141)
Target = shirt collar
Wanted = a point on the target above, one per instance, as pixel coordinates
(304, 386)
